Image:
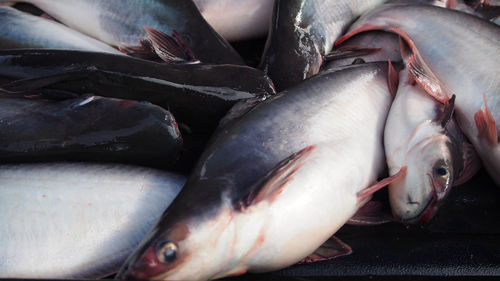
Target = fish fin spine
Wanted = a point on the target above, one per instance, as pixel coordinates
(446, 112)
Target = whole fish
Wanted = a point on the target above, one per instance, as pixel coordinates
(445, 64)
(197, 94)
(422, 135)
(87, 128)
(68, 220)
(22, 30)
(121, 23)
(237, 19)
(232, 218)
(302, 33)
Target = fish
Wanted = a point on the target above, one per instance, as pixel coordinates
(22, 30)
(431, 50)
(120, 23)
(38, 128)
(422, 134)
(386, 43)
(302, 32)
(77, 220)
(237, 20)
(198, 95)
(236, 207)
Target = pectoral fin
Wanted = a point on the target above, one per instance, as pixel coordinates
(371, 213)
(365, 194)
(350, 51)
(331, 249)
(472, 163)
(275, 182)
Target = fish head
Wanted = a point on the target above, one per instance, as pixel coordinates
(429, 177)
(183, 247)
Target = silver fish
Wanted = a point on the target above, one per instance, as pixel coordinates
(22, 30)
(421, 134)
(121, 23)
(450, 53)
(237, 19)
(65, 220)
(232, 218)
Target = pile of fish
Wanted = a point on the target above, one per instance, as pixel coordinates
(134, 139)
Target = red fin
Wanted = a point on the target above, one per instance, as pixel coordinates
(446, 112)
(486, 126)
(451, 4)
(371, 213)
(418, 69)
(392, 79)
(367, 192)
(358, 30)
(472, 163)
(169, 49)
(350, 51)
(331, 249)
(276, 180)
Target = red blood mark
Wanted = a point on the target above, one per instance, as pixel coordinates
(44, 196)
(126, 103)
(180, 232)
(89, 204)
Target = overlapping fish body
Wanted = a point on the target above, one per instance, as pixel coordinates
(22, 30)
(121, 22)
(451, 53)
(237, 212)
(302, 33)
(69, 220)
(422, 135)
(197, 94)
(90, 128)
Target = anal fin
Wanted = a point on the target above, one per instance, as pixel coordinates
(331, 249)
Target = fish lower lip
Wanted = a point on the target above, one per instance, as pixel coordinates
(428, 207)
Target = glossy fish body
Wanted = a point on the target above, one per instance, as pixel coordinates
(118, 22)
(302, 32)
(224, 212)
(388, 44)
(87, 128)
(197, 94)
(421, 134)
(237, 19)
(68, 220)
(22, 30)
(451, 40)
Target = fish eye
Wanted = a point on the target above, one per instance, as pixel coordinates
(167, 251)
(441, 171)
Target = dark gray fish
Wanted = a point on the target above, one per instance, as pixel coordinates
(21, 30)
(87, 128)
(302, 33)
(197, 94)
(121, 23)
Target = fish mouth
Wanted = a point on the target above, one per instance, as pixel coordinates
(430, 208)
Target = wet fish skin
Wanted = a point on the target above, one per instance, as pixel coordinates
(197, 94)
(302, 32)
(387, 42)
(22, 30)
(70, 220)
(118, 22)
(87, 128)
(434, 51)
(434, 153)
(237, 20)
(242, 237)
